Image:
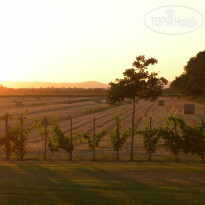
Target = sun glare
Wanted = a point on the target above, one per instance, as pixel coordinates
(60, 41)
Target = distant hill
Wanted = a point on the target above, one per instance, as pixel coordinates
(88, 84)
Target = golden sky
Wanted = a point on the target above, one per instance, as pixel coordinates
(88, 40)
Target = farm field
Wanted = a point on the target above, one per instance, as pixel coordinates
(102, 183)
(83, 110)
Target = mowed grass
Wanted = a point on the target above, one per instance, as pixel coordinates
(102, 183)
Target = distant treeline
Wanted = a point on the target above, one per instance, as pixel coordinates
(52, 91)
(67, 91)
(191, 82)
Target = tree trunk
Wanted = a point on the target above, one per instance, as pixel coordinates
(21, 158)
(150, 156)
(71, 139)
(133, 130)
(118, 155)
(45, 140)
(202, 158)
(93, 139)
(118, 138)
(7, 145)
(202, 122)
(176, 157)
(22, 133)
(175, 131)
(150, 128)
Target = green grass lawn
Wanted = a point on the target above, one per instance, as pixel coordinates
(102, 183)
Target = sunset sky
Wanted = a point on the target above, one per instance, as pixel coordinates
(92, 40)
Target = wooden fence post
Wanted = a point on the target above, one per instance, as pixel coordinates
(175, 132)
(118, 134)
(22, 133)
(202, 122)
(45, 138)
(71, 139)
(7, 136)
(150, 128)
(204, 110)
(93, 139)
(133, 130)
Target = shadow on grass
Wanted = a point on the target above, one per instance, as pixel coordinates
(162, 191)
(87, 184)
(35, 184)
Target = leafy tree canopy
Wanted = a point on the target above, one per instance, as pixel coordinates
(137, 82)
(191, 81)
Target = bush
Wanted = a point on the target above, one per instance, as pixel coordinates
(150, 138)
(117, 139)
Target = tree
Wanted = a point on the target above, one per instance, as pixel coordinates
(98, 137)
(19, 136)
(173, 134)
(117, 139)
(6, 139)
(91, 143)
(58, 140)
(150, 138)
(137, 84)
(191, 81)
(197, 140)
(44, 130)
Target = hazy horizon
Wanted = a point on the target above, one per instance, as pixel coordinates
(38, 84)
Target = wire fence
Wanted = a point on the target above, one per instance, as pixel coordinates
(35, 147)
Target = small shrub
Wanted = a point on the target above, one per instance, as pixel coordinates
(150, 138)
(117, 139)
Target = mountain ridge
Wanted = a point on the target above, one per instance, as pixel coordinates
(39, 84)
